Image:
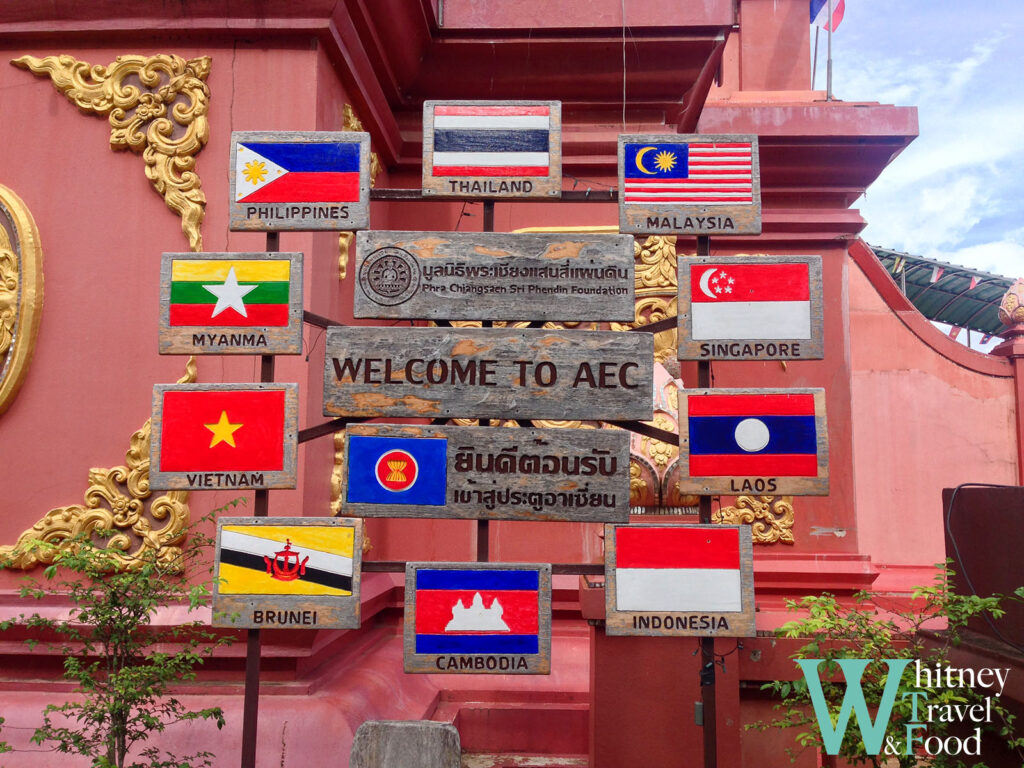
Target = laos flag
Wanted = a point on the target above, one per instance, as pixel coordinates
(297, 172)
(751, 433)
(477, 611)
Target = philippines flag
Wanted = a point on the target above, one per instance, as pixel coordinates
(481, 611)
(298, 172)
(819, 13)
(752, 434)
(695, 173)
(750, 301)
(397, 470)
(676, 568)
(497, 140)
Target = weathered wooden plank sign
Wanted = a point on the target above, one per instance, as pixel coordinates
(574, 475)
(488, 373)
(478, 618)
(492, 149)
(231, 303)
(214, 436)
(679, 580)
(494, 276)
(299, 180)
(751, 308)
(689, 184)
(278, 572)
(766, 441)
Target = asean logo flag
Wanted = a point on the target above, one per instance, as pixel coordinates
(752, 435)
(301, 172)
(675, 568)
(750, 301)
(222, 431)
(397, 470)
(477, 611)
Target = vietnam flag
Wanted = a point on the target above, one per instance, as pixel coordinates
(226, 430)
(229, 292)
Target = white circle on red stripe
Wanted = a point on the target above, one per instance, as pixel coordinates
(381, 471)
(752, 435)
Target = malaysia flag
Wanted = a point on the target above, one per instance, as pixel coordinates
(694, 173)
(750, 301)
(677, 568)
(752, 434)
(491, 140)
(297, 172)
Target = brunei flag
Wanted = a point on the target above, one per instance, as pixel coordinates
(236, 430)
(297, 172)
(229, 292)
(285, 560)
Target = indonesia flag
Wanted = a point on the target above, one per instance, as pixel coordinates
(770, 433)
(750, 301)
(820, 17)
(677, 568)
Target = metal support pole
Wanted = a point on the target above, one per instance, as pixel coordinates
(483, 527)
(261, 507)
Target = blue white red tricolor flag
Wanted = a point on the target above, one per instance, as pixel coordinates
(750, 301)
(694, 173)
(299, 172)
(397, 470)
(676, 568)
(477, 611)
(752, 435)
(491, 140)
(820, 17)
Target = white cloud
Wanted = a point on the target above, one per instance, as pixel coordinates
(1005, 257)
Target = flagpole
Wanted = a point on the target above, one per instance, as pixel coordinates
(828, 86)
(814, 64)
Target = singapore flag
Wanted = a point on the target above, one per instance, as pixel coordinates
(750, 301)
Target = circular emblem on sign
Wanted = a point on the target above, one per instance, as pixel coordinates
(397, 471)
(389, 276)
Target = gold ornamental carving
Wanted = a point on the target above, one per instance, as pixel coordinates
(351, 122)
(1011, 308)
(119, 500)
(770, 518)
(21, 293)
(157, 106)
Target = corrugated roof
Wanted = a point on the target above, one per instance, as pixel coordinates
(951, 298)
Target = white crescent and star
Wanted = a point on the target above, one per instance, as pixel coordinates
(705, 279)
(230, 294)
(640, 161)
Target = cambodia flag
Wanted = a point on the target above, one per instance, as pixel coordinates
(298, 172)
(749, 434)
(397, 470)
(477, 611)
(676, 568)
(750, 301)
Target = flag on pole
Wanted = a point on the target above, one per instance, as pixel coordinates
(492, 140)
(676, 568)
(899, 264)
(229, 292)
(954, 331)
(974, 283)
(986, 338)
(299, 172)
(696, 173)
(936, 274)
(750, 301)
(820, 17)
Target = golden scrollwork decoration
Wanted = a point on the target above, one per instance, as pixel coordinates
(117, 500)
(157, 106)
(351, 122)
(21, 292)
(770, 518)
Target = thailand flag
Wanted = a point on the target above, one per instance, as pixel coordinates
(819, 13)
(498, 140)
(676, 568)
(297, 172)
(750, 301)
(397, 470)
(477, 611)
(750, 434)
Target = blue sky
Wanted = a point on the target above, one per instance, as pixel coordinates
(957, 193)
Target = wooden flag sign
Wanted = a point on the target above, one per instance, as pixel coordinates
(214, 436)
(231, 303)
(504, 373)
(287, 572)
(492, 149)
(494, 473)
(750, 308)
(494, 276)
(300, 180)
(689, 185)
(679, 580)
(478, 618)
(764, 441)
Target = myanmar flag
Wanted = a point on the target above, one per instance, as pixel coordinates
(240, 430)
(229, 292)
